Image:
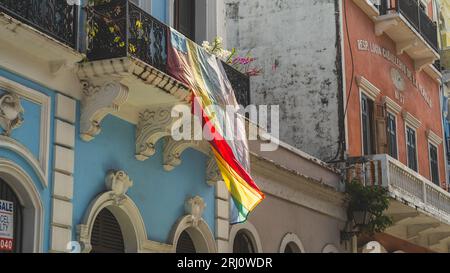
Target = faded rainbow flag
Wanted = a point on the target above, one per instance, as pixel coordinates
(205, 75)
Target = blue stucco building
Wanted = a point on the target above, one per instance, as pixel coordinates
(85, 156)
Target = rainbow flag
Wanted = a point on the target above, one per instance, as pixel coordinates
(205, 75)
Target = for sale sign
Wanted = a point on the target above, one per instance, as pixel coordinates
(6, 225)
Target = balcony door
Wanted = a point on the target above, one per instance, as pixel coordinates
(184, 20)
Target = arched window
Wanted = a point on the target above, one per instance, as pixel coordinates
(107, 235)
(191, 234)
(243, 243)
(8, 196)
(185, 243)
(244, 238)
(292, 248)
(291, 244)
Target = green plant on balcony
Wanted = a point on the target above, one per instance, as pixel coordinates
(117, 33)
(366, 206)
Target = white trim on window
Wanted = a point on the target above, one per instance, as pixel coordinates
(252, 233)
(368, 88)
(195, 226)
(396, 129)
(392, 106)
(291, 238)
(434, 138)
(411, 120)
(33, 213)
(125, 211)
(44, 102)
(407, 124)
(430, 143)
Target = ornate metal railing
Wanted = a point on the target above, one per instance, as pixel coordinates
(411, 10)
(122, 29)
(55, 18)
(402, 182)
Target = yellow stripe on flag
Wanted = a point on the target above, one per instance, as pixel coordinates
(239, 188)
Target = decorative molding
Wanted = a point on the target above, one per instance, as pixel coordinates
(194, 207)
(132, 68)
(12, 145)
(213, 174)
(291, 238)
(196, 226)
(97, 102)
(154, 124)
(251, 232)
(433, 137)
(126, 212)
(367, 87)
(173, 149)
(45, 103)
(11, 112)
(118, 183)
(392, 105)
(411, 120)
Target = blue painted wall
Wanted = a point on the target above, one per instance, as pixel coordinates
(158, 194)
(28, 135)
(159, 10)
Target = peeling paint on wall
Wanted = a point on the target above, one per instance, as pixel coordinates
(294, 42)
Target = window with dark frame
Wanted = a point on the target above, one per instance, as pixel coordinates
(242, 243)
(367, 125)
(434, 165)
(392, 135)
(185, 243)
(8, 194)
(107, 235)
(185, 18)
(411, 148)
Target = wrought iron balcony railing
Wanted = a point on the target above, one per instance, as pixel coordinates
(122, 29)
(417, 17)
(55, 18)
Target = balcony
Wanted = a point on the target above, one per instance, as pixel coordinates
(419, 208)
(409, 27)
(55, 18)
(147, 45)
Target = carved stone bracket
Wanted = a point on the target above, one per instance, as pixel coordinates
(11, 112)
(153, 125)
(194, 207)
(213, 174)
(173, 149)
(97, 102)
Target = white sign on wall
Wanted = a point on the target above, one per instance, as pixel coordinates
(6, 225)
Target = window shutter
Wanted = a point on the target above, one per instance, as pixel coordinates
(106, 234)
(185, 243)
(381, 139)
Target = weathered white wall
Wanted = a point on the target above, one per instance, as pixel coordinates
(295, 43)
